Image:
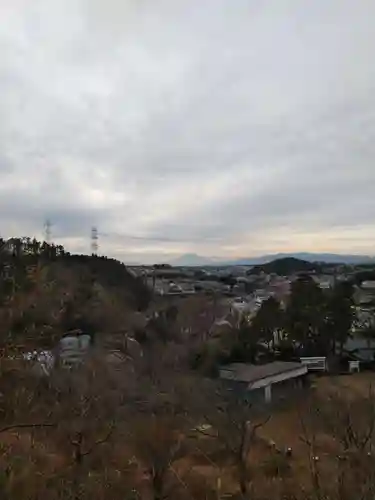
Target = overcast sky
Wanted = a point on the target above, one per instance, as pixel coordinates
(222, 127)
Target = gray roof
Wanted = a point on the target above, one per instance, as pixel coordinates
(245, 372)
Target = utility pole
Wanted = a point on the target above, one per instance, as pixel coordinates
(94, 240)
(94, 253)
(47, 231)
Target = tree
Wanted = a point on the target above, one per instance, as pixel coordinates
(340, 315)
(87, 403)
(268, 321)
(339, 427)
(234, 423)
(305, 317)
(157, 443)
(171, 314)
(246, 343)
(72, 417)
(159, 419)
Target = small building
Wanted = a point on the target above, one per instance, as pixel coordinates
(325, 281)
(259, 377)
(365, 294)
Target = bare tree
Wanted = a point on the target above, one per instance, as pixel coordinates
(234, 423)
(339, 431)
(159, 423)
(158, 443)
(84, 404)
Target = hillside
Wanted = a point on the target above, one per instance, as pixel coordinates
(45, 291)
(132, 424)
(285, 267)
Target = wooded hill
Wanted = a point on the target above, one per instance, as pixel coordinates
(287, 266)
(45, 291)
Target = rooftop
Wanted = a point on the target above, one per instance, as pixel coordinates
(369, 284)
(245, 372)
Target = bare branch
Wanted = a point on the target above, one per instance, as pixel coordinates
(25, 426)
(261, 424)
(101, 441)
(204, 433)
(179, 479)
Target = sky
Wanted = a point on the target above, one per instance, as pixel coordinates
(218, 127)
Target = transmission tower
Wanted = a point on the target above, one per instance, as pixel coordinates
(94, 241)
(47, 231)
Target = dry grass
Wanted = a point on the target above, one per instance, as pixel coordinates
(286, 428)
(357, 383)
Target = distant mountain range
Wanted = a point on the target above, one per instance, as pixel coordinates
(192, 259)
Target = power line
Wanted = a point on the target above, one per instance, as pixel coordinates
(94, 238)
(160, 238)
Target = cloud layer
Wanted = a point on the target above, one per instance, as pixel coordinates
(217, 127)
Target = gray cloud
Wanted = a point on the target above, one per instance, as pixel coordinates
(226, 128)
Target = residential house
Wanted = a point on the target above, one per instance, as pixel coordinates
(325, 281)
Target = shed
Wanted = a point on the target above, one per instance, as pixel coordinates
(263, 376)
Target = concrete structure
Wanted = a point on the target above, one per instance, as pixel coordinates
(72, 349)
(263, 376)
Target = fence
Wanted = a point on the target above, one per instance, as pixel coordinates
(316, 364)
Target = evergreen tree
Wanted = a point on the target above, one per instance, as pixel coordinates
(268, 321)
(305, 316)
(340, 315)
